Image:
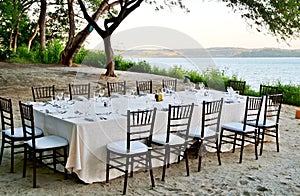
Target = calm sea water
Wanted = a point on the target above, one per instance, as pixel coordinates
(253, 70)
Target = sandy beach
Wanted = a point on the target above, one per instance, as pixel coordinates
(274, 173)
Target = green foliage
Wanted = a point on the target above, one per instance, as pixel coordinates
(214, 79)
(280, 18)
(177, 72)
(120, 64)
(5, 54)
(23, 56)
(157, 71)
(91, 58)
(196, 77)
(142, 67)
(291, 93)
(81, 55)
(52, 53)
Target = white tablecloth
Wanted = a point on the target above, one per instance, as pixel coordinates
(89, 126)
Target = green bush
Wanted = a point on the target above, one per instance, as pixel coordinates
(176, 72)
(80, 57)
(195, 77)
(95, 59)
(141, 67)
(291, 93)
(23, 56)
(214, 79)
(123, 65)
(5, 53)
(50, 55)
(52, 52)
(157, 71)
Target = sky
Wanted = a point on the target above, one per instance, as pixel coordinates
(209, 23)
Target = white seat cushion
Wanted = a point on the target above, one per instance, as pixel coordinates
(237, 126)
(196, 132)
(269, 123)
(18, 132)
(174, 139)
(120, 147)
(48, 142)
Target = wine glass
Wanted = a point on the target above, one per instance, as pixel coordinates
(66, 97)
(163, 90)
(101, 93)
(60, 96)
(170, 88)
(201, 86)
(95, 96)
(192, 86)
(133, 92)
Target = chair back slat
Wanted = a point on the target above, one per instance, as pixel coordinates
(43, 92)
(179, 120)
(144, 86)
(116, 87)
(7, 119)
(273, 107)
(268, 90)
(80, 89)
(237, 86)
(27, 120)
(172, 83)
(211, 115)
(140, 125)
(252, 110)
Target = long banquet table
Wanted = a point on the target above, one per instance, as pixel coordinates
(89, 125)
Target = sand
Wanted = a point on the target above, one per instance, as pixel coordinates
(274, 173)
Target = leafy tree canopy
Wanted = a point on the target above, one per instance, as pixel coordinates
(280, 17)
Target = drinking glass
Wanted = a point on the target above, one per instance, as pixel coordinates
(133, 91)
(59, 96)
(66, 97)
(192, 86)
(101, 93)
(201, 86)
(170, 88)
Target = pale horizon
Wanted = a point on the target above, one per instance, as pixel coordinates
(211, 24)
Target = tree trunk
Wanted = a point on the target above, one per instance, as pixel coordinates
(33, 36)
(110, 69)
(75, 42)
(72, 48)
(42, 24)
(16, 36)
(10, 38)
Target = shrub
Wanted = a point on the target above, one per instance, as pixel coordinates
(157, 71)
(177, 72)
(52, 52)
(141, 67)
(123, 65)
(81, 55)
(291, 93)
(95, 59)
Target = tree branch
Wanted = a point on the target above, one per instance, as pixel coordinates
(90, 20)
(124, 12)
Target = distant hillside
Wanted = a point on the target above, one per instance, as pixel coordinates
(212, 52)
